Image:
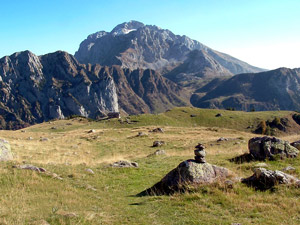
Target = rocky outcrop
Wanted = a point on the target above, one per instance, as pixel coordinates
(272, 90)
(264, 179)
(5, 151)
(36, 89)
(134, 45)
(262, 148)
(189, 173)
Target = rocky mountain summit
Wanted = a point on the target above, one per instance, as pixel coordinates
(134, 45)
(272, 90)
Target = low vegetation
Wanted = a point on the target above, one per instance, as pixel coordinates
(109, 196)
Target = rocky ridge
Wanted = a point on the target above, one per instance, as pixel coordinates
(34, 89)
(272, 90)
(134, 45)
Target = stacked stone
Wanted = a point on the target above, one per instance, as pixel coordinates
(200, 153)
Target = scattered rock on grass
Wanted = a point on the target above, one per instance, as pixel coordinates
(158, 152)
(5, 151)
(222, 139)
(44, 139)
(264, 179)
(142, 134)
(124, 163)
(31, 167)
(90, 171)
(38, 169)
(158, 130)
(91, 131)
(158, 143)
(219, 115)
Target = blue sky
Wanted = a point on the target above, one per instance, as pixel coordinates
(263, 33)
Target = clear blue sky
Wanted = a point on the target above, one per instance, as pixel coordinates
(264, 33)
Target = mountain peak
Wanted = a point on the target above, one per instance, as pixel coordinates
(126, 27)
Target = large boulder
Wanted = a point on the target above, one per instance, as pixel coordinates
(188, 173)
(262, 148)
(5, 151)
(265, 179)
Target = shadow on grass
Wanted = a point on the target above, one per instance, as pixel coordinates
(247, 157)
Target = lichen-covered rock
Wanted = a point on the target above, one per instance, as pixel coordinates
(270, 148)
(5, 151)
(188, 173)
(265, 179)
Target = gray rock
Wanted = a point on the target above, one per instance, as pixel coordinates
(31, 167)
(219, 115)
(200, 159)
(142, 134)
(5, 151)
(222, 139)
(158, 143)
(124, 163)
(265, 179)
(44, 139)
(158, 130)
(270, 148)
(289, 169)
(186, 174)
(158, 152)
(91, 131)
(30, 138)
(200, 153)
(90, 171)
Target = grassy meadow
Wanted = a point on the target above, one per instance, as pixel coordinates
(110, 195)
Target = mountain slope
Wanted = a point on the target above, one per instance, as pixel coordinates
(36, 89)
(135, 45)
(271, 90)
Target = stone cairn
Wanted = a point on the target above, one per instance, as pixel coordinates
(200, 153)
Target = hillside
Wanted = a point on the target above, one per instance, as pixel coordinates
(272, 90)
(109, 196)
(36, 89)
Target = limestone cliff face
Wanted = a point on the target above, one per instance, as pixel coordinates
(134, 45)
(35, 89)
